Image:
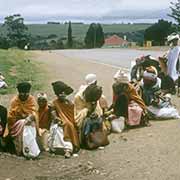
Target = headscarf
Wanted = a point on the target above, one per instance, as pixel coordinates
(24, 87)
(60, 87)
(92, 93)
(90, 79)
(42, 96)
(121, 77)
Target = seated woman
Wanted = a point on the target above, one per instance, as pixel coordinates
(63, 119)
(45, 119)
(44, 111)
(87, 106)
(22, 122)
(91, 79)
(3, 121)
(150, 85)
(127, 102)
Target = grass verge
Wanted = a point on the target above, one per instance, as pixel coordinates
(16, 67)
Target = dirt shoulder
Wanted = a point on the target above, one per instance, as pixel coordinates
(150, 153)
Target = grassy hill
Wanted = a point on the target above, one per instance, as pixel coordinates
(79, 30)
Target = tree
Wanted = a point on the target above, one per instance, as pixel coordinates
(99, 36)
(90, 36)
(52, 44)
(4, 44)
(175, 8)
(16, 30)
(158, 32)
(94, 36)
(70, 39)
(60, 44)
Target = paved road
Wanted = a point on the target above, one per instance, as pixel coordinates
(114, 57)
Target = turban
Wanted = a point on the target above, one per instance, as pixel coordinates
(60, 87)
(24, 87)
(92, 93)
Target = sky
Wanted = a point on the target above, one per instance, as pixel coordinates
(76, 7)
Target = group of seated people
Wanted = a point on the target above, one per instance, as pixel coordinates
(63, 126)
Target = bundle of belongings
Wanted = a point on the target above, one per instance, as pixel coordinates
(162, 108)
(93, 135)
(159, 103)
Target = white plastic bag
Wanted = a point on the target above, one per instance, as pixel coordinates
(164, 113)
(56, 139)
(30, 146)
(118, 124)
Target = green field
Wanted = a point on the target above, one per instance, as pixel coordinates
(16, 67)
(79, 30)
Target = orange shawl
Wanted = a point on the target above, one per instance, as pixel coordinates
(133, 95)
(44, 118)
(65, 112)
(21, 109)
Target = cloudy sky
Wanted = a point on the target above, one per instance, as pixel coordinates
(76, 7)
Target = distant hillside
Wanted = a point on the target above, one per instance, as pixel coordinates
(79, 30)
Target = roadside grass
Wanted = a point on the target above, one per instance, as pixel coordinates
(16, 67)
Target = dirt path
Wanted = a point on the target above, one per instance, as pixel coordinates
(151, 153)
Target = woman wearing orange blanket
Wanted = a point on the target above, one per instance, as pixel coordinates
(64, 115)
(22, 119)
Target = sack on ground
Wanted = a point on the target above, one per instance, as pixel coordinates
(56, 139)
(30, 146)
(43, 140)
(134, 114)
(118, 124)
(93, 134)
(164, 113)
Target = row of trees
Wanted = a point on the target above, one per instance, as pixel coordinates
(159, 31)
(94, 37)
(17, 35)
(16, 32)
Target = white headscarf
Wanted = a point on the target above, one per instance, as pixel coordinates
(121, 77)
(42, 96)
(90, 79)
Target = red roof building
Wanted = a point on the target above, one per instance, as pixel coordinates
(115, 41)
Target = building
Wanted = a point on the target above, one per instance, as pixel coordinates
(116, 41)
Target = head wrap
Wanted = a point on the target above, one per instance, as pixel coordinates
(24, 87)
(60, 87)
(173, 36)
(152, 69)
(150, 76)
(92, 93)
(121, 77)
(90, 78)
(42, 96)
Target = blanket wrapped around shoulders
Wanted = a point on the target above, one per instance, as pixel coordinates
(21, 109)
